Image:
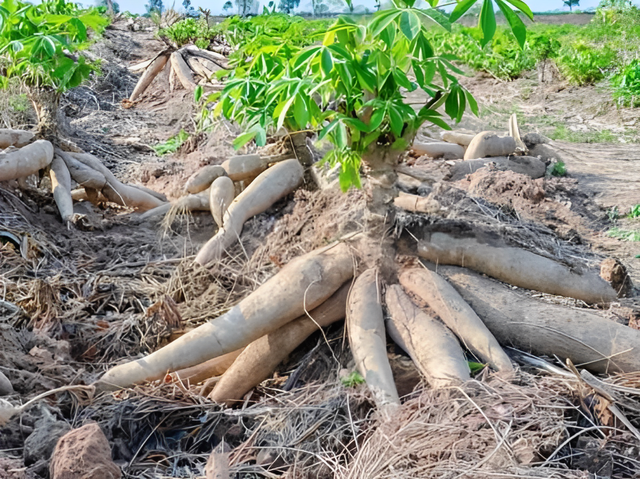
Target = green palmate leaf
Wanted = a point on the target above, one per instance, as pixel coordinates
(366, 78)
(243, 139)
(326, 61)
(437, 17)
(198, 92)
(523, 7)
(396, 121)
(473, 104)
(461, 8)
(300, 112)
(388, 35)
(382, 19)
(517, 26)
(409, 24)
(487, 22)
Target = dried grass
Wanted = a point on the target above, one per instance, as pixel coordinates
(491, 428)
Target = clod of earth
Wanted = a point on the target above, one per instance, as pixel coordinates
(83, 453)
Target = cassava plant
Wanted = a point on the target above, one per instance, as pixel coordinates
(350, 87)
(39, 46)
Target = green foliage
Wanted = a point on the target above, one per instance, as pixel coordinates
(349, 88)
(635, 211)
(625, 235)
(352, 380)
(626, 84)
(563, 133)
(558, 169)
(190, 30)
(475, 367)
(582, 63)
(274, 30)
(172, 144)
(38, 43)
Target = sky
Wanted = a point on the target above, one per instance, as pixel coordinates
(137, 6)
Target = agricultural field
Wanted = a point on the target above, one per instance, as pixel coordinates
(395, 245)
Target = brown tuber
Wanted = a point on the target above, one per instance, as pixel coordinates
(584, 336)
(516, 266)
(367, 338)
(25, 161)
(258, 361)
(434, 291)
(271, 185)
(487, 144)
(303, 284)
(17, 138)
(432, 347)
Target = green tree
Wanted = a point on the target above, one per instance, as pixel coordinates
(288, 6)
(571, 4)
(39, 47)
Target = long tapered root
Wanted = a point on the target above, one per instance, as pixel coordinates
(89, 172)
(258, 360)
(367, 338)
(432, 346)
(149, 75)
(16, 138)
(517, 267)
(221, 195)
(270, 186)
(586, 337)
(61, 188)
(26, 161)
(302, 285)
(434, 291)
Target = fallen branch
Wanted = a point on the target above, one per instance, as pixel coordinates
(432, 347)
(367, 338)
(271, 185)
(304, 283)
(434, 291)
(516, 266)
(588, 339)
(258, 361)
